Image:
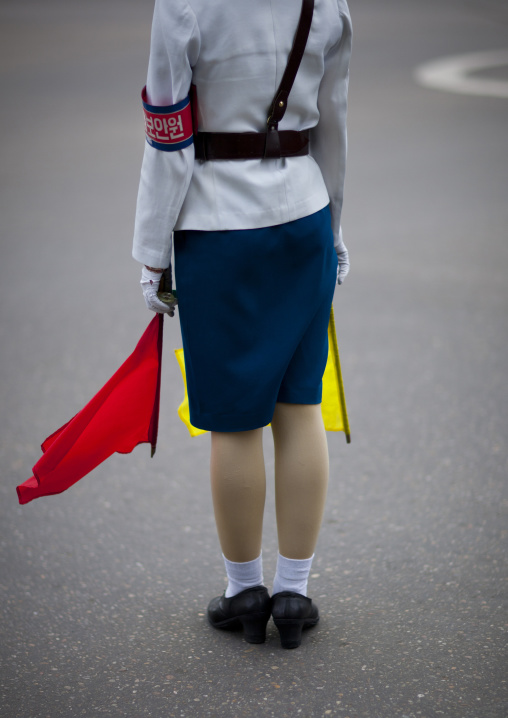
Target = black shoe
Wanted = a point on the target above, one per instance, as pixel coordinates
(249, 609)
(291, 613)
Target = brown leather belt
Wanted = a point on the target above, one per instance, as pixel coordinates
(250, 145)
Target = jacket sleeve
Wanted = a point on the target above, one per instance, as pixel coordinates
(165, 176)
(328, 142)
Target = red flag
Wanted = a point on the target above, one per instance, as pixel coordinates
(123, 414)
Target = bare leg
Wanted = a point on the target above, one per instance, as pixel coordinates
(238, 481)
(301, 476)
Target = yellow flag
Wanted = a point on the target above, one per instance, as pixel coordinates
(333, 406)
(183, 409)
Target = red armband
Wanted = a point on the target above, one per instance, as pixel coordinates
(168, 128)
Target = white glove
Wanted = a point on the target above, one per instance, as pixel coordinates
(150, 286)
(343, 257)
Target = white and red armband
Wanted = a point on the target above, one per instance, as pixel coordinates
(168, 128)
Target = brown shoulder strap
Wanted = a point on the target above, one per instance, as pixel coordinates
(269, 144)
(279, 102)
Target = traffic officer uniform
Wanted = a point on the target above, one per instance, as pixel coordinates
(254, 238)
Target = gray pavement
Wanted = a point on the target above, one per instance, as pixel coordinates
(103, 589)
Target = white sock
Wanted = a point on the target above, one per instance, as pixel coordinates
(243, 575)
(292, 575)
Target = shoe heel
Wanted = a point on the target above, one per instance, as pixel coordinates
(254, 628)
(290, 632)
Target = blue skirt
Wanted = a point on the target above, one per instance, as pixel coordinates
(254, 307)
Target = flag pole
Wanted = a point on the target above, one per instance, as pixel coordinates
(342, 397)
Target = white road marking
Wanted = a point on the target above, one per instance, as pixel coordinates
(452, 74)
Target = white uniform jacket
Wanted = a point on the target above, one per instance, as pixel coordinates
(235, 52)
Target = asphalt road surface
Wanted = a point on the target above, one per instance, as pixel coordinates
(103, 589)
